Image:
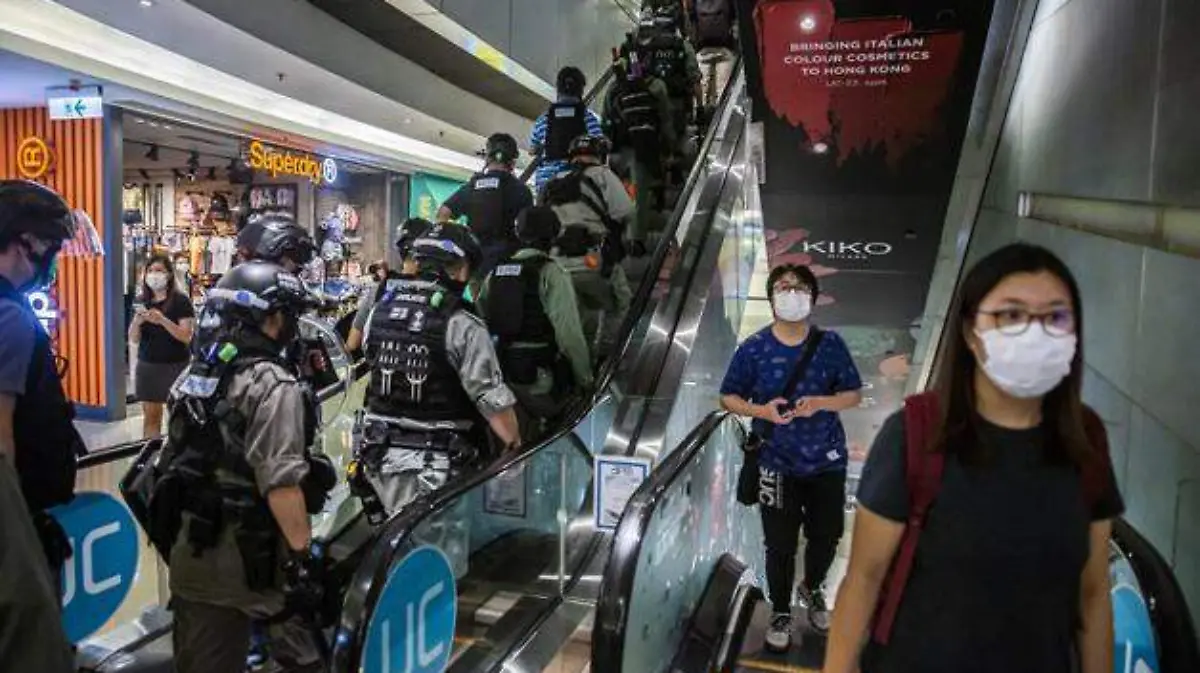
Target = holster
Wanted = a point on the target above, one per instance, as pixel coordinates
(258, 543)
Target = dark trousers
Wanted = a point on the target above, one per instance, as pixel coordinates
(215, 639)
(816, 505)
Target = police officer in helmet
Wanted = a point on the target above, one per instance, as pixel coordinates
(566, 119)
(598, 219)
(231, 514)
(435, 386)
(491, 201)
(276, 239)
(38, 440)
(531, 310)
(408, 232)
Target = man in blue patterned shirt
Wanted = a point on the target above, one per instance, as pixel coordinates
(802, 463)
(567, 119)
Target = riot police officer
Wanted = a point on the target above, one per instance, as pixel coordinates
(531, 310)
(37, 435)
(408, 232)
(276, 239)
(596, 214)
(566, 119)
(671, 58)
(436, 385)
(491, 201)
(231, 513)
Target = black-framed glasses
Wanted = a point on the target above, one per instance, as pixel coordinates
(1059, 322)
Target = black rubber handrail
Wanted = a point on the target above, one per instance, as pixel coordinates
(588, 99)
(368, 581)
(616, 585)
(1174, 632)
(129, 449)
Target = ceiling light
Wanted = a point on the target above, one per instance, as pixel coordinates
(140, 120)
(146, 3)
(167, 127)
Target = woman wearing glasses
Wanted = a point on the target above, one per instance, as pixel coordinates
(1011, 569)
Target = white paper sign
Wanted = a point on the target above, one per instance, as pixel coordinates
(616, 479)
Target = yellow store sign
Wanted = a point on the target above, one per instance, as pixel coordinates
(283, 162)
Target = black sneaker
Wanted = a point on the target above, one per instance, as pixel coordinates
(779, 633)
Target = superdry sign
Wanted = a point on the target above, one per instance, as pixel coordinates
(276, 162)
(864, 105)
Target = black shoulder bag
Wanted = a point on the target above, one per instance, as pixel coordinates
(748, 478)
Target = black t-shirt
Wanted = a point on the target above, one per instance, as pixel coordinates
(156, 344)
(995, 583)
(516, 195)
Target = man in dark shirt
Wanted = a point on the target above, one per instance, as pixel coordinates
(491, 201)
(803, 463)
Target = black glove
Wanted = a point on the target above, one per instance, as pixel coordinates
(303, 583)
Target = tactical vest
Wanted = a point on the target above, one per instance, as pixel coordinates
(485, 208)
(639, 116)
(515, 295)
(665, 57)
(564, 123)
(411, 375)
(47, 443)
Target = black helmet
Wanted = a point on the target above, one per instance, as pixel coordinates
(252, 290)
(274, 239)
(592, 146)
(538, 226)
(449, 242)
(502, 148)
(30, 208)
(409, 231)
(571, 81)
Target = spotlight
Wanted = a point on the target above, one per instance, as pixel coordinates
(152, 153)
(193, 165)
(145, 176)
(177, 174)
(212, 172)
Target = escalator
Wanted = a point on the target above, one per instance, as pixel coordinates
(516, 534)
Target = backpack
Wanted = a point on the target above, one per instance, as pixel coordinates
(923, 473)
(714, 23)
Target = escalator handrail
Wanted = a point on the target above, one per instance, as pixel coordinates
(124, 450)
(588, 99)
(608, 635)
(1174, 632)
(368, 581)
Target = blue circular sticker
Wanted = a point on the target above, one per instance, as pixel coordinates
(1136, 651)
(98, 576)
(412, 628)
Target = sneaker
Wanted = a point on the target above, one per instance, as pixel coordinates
(819, 614)
(779, 633)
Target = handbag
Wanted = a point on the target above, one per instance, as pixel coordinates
(748, 478)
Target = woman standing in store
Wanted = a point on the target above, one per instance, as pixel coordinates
(1011, 569)
(161, 328)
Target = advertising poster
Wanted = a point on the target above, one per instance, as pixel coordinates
(617, 477)
(864, 107)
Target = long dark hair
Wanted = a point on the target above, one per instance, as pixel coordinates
(954, 380)
(171, 289)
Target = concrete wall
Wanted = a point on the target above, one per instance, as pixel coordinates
(1105, 109)
(544, 35)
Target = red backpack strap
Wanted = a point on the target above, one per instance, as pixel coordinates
(923, 474)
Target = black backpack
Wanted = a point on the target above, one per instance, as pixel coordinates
(714, 23)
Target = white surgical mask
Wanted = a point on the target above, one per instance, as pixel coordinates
(156, 280)
(792, 306)
(1029, 364)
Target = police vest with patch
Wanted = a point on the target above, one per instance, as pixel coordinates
(639, 116)
(204, 478)
(411, 375)
(564, 123)
(666, 58)
(515, 298)
(576, 186)
(485, 207)
(44, 435)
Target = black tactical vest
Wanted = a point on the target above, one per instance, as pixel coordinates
(664, 55)
(564, 123)
(640, 121)
(485, 208)
(516, 313)
(44, 434)
(411, 375)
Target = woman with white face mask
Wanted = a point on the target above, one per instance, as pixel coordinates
(162, 329)
(1010, 571)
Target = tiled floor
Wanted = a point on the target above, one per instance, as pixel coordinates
(99, 435)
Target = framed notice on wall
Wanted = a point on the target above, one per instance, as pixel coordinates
(616, 480)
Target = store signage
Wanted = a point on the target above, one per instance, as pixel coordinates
(75, 107)
(412, 629)
(34, 158)
(847, 249)
(284, 162)
(99, 574)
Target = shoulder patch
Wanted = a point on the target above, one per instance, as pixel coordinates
(564, 112)
(508, 270)
(487, 183)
